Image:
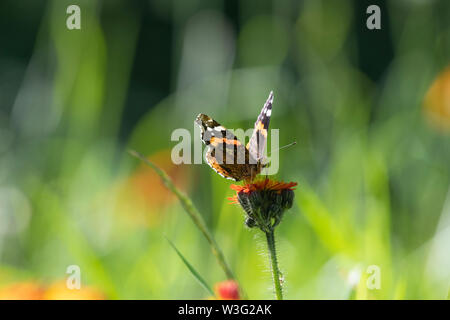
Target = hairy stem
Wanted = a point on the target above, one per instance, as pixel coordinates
(273, 259)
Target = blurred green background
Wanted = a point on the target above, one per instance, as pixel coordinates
(369, 109)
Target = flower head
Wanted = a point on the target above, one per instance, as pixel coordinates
(264, 202)
(227, 290)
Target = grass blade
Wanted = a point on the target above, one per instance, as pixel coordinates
(191, 269)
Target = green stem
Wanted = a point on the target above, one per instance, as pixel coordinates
(273, 258)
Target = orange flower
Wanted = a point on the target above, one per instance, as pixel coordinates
(227, 290)
(261, 185)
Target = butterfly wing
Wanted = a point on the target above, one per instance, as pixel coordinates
(258, 140)
(225, 154)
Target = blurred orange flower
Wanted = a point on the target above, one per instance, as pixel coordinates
(56, 291)
(437, 102)
(59, 291)
(143, 196)
(22, 291)
(227, 290)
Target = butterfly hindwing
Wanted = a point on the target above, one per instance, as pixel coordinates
(225, 153)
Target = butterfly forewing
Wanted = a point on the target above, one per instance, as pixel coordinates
(258, 140)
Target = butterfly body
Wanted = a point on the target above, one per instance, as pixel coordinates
(226, 155)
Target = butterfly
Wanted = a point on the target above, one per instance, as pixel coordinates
(226, 155)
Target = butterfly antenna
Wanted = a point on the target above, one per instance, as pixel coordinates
(286, 146)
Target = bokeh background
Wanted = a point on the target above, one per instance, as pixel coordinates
(370, 111)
